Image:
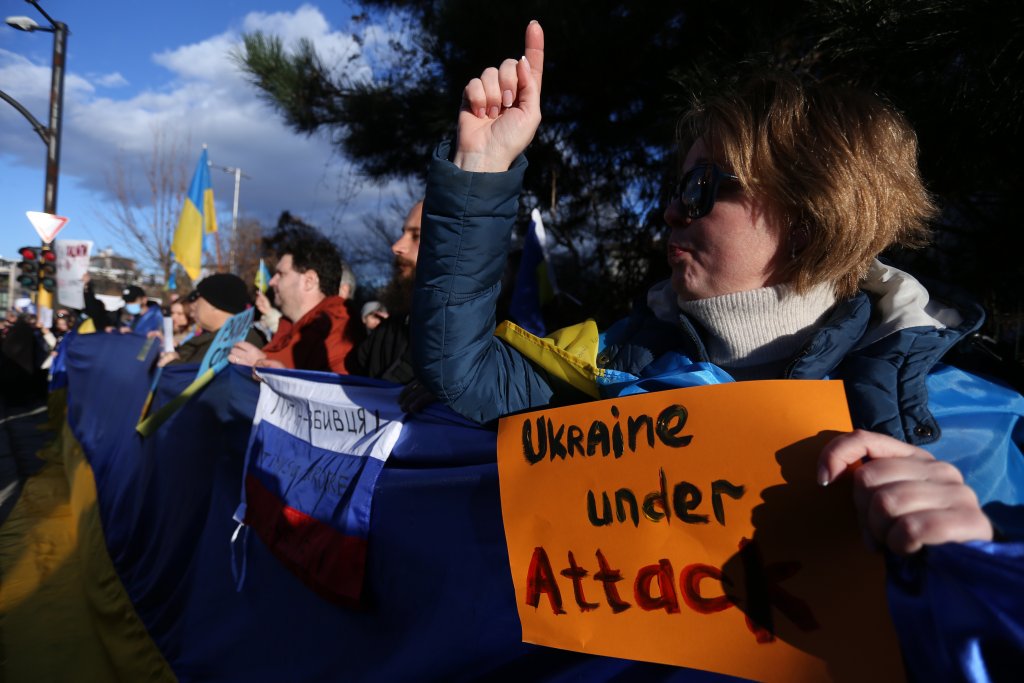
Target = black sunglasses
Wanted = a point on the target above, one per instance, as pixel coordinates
(698, 189)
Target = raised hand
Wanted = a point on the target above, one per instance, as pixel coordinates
(906, 498)
(501, 110)
(262, 302)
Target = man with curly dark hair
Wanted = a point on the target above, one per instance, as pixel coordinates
(310, 335)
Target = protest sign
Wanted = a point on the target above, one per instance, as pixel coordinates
(216, 359)
(168, 334)
(72, 265)
(46, 317)
(685, 527)
(232, 332)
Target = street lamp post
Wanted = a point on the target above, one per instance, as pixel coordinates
(50, 134)
(234, 210)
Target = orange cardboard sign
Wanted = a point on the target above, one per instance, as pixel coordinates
(685, 527)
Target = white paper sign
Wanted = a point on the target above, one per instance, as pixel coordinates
(168, 334)
(46, 317)
(72, 264)
(363, 421)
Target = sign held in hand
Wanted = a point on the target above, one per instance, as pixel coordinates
(685, 527)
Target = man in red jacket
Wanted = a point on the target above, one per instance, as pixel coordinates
(311, 333)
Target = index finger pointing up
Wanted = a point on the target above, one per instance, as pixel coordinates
(534, 50)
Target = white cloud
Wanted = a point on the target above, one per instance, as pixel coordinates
(112, 80)
(337, 50)
(205, 99)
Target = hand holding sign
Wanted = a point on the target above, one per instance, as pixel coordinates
(906, 498)
(228, 337)
(72, 271)
(244, 353)
(686, 527)
(215, 360)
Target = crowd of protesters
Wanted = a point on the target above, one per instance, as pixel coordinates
(307, 319)
(761, 288)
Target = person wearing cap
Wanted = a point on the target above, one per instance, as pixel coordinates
(135, 304)
(125, 318)
(215, 299)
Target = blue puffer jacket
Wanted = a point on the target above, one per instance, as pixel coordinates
(885, 344)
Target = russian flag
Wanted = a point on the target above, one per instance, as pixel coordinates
(315, 453)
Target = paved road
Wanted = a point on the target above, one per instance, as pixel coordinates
(20, 438)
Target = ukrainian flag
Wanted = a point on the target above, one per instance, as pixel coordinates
(535, 281)
(262, 278)
(198, 217)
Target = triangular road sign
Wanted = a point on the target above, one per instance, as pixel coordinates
(46, 224)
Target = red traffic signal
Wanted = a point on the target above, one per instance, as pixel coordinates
(38, 268)
(29, 270)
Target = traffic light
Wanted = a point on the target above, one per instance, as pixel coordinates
(29, 267)
(48, 269)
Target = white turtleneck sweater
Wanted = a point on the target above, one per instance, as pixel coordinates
(752, 334)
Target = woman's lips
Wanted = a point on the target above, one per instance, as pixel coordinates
(676, 253)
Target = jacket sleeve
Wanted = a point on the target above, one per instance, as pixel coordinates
(338, 346)
(95, 309)
(464, 243)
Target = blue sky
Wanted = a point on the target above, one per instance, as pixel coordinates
(136, 70)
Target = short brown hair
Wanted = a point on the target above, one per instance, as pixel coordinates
(837, 167)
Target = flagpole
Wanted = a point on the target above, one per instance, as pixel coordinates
(234, 209)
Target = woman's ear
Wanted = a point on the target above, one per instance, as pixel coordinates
(799, 237)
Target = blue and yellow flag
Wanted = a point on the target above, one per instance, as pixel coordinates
(262, 278)
(535, 281)
(198, 217)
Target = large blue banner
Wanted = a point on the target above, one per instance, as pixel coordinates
(436, 599)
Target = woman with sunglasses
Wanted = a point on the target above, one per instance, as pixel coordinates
(787, 195)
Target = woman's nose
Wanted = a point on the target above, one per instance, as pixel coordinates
(676, 215)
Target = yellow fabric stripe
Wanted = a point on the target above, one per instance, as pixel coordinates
(188, 240)
(147, 426)
(64, 615)
(570, 354)
(209, 211)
